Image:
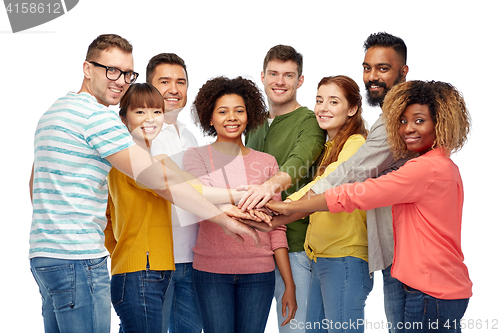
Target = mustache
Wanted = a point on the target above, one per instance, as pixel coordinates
(377, 83)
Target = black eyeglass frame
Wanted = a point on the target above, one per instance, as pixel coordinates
(136, 75)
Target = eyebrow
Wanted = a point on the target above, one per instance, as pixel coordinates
(170, 78)
(275, 71)
(379, 64)
(332, 97)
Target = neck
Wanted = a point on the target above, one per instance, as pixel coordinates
(170, 118)
(331, 134)
(281, 109)
(231, 148)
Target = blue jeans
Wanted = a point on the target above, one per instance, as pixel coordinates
(75, 294)
(181, 303)
(394, 302)
(138, 300)
(234, 302)
(301, 272)
(424, 313)
(338, 293)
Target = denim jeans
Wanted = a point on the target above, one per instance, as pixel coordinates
(234, 303)
(138, 300)
(394, 302)
(181, 304)
(424, 313)
(338, 293)
(75, 294)
(301, 272)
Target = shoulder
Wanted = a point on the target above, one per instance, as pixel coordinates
(355, 139)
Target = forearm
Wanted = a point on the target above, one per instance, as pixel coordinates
(279, 182)
(283, 263)
(308, 204)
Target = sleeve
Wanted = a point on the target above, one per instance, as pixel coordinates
(406, 185)
(109, 236)
(309, 145)
(350, 147)
(273, 170)
(369, 161)
(107, 134)
(278, 238)
(194, 164)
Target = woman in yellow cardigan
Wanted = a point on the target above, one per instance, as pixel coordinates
(139, 231)
(337, 243)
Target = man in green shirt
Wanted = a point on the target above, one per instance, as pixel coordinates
(292, 135)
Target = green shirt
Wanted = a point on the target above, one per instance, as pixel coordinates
(296, 141)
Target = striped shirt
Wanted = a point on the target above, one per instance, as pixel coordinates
(70, 189)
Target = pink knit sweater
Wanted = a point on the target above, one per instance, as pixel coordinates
(215, 251)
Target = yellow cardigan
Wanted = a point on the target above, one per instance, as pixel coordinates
(139, 227)
(335, 235)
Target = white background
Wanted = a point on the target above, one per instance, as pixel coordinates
(453, 41)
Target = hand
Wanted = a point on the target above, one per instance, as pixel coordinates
(260, 226)
(288, 301)
(279, 207)
(236, 229)
(235, 212)
(257, 196)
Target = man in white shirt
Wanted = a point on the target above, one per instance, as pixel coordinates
(167, 72)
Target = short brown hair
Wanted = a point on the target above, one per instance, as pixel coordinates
(104, 42)
(163, 58)
(284, 53)
(141, 95)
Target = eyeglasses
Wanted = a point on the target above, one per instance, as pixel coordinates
(113, 73)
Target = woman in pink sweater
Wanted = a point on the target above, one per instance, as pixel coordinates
(428, 120)
(235, 281)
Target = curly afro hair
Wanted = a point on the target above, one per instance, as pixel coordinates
(446, 107)
(213, 89)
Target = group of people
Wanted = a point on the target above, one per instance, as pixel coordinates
(288, 203)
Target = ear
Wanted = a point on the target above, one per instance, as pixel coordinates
(352, 111)
(301, 81)
(262, 76)
(404, 70)
(211, 122)
(124, 120)
(86, 69)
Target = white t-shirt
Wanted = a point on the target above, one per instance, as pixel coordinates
(184, 224)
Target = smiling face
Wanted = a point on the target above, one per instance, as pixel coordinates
(171, 82)
(417, 128)
(281, 81)
(108, 92)
(144, 124)
(229, 118)
(332, 109)
(382, 69)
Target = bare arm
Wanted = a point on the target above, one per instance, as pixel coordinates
(315, 203)
(213, 194)
(288, 301)
(136, 163)
(258, 195)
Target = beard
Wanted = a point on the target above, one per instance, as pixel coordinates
(378, 100)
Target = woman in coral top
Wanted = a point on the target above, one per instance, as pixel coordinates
(234, 281)
(428, 120)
